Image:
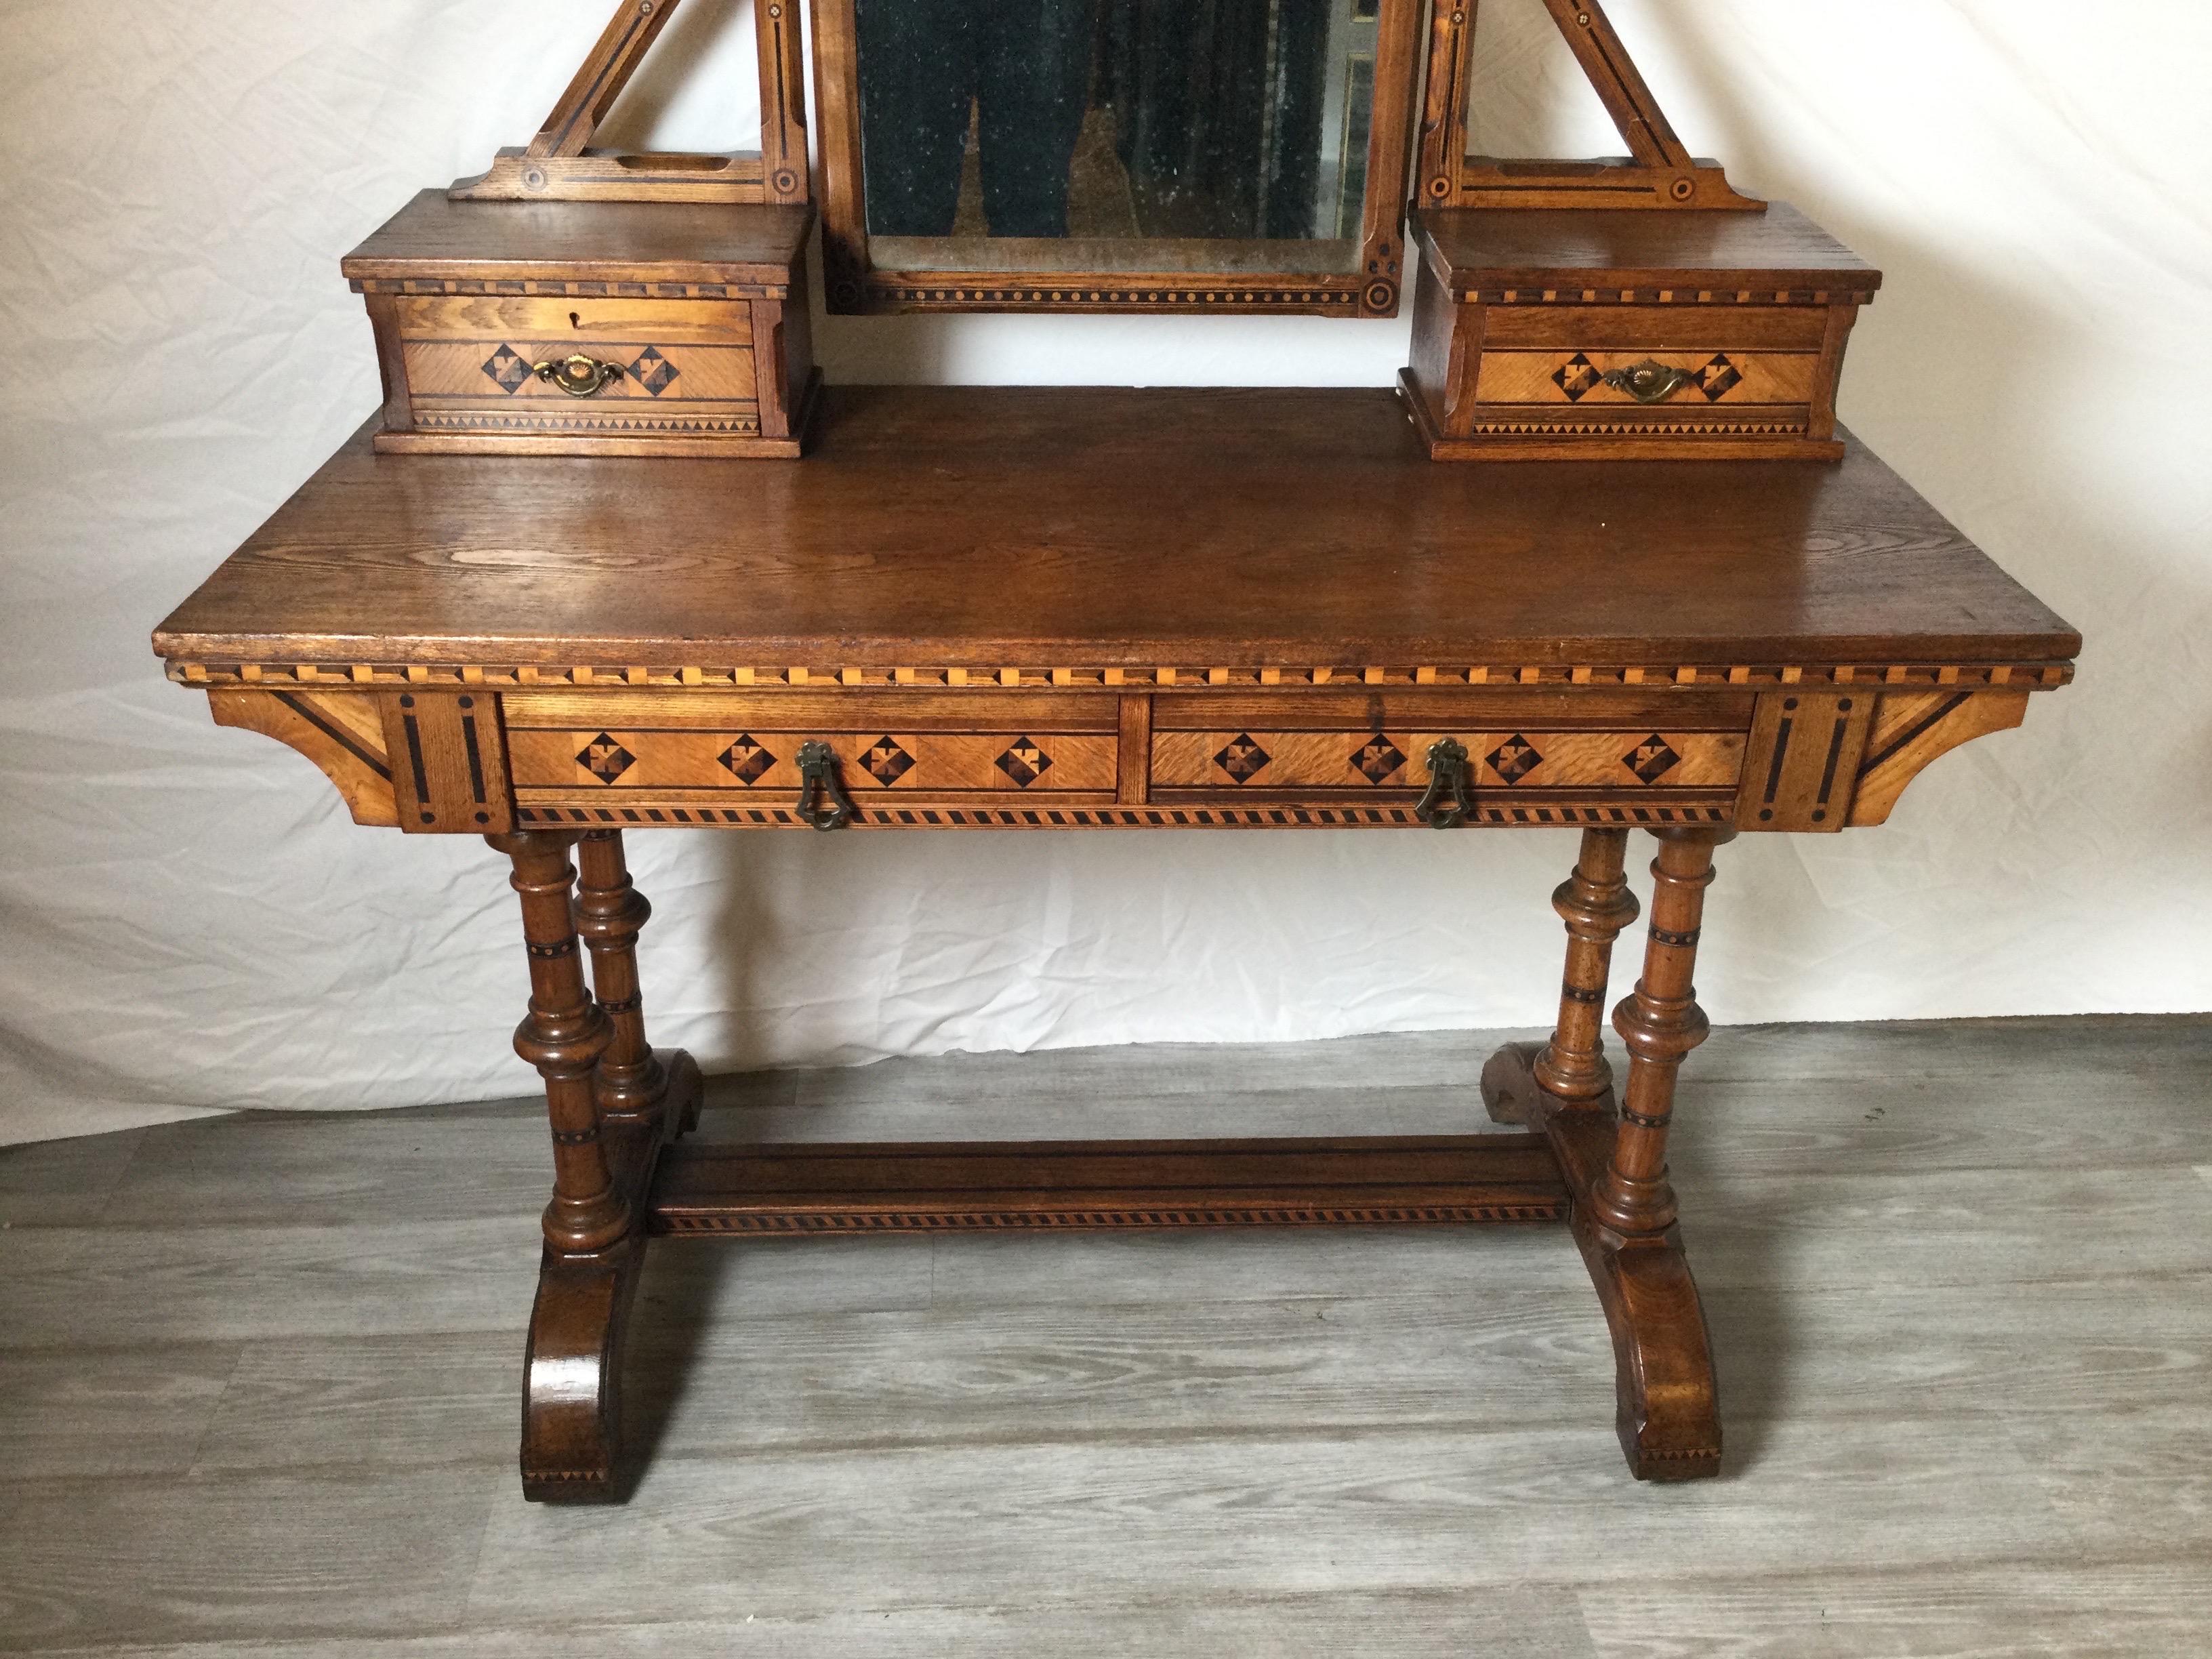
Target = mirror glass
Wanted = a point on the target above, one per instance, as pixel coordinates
(988, 122)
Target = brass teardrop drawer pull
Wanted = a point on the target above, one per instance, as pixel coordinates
(1650, 381)
(578, 376)
(818, 781)
(1446, 804)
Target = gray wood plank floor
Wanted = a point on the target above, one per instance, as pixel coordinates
(258, 1383)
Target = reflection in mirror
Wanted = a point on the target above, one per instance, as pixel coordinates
(1230, 120)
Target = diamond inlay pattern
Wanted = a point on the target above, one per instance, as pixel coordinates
(1242, 757)
(511, 373)
(653, 372)
(606, 759)
(1024, 762)
(747, 760)
(1651, 759)
(1513, 759)
(885, 762)
(1377, 760)
(1718, 378)
(1578, 377)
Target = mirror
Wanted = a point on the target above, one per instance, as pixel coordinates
(1214, 145)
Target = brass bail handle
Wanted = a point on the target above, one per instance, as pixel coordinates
(817, 778)
(1446, 778)
(578, 376)
(1650, 381)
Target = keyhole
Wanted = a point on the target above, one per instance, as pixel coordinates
(575, 319)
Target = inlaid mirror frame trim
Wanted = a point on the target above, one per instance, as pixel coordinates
(854, 285)
(1658, 172)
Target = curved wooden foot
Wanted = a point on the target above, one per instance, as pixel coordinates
(572, 1367)
(572, 1375)
(1669, 1413)
(1509, 1084)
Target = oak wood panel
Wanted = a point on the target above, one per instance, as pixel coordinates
(496, 318)
(443, 374)
(1672, 327)
(1910, 733)
(809, 711)
(1537, 760)
(763, 759)
(1533, 377)
(1544, 249)
(1075, 1186)
(449, 761)
(1439, 708)
(1800, 770)
(342, 733)
(595, 242)
(943, 525)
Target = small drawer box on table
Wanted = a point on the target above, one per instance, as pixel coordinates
(590, 328)
(1616, 335)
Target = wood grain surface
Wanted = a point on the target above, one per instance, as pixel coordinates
(1964, 1334)
(1507, 248)
(960, 524)
(607, 241)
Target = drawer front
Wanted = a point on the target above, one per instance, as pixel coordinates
(1712, 379)
(585, 751)
(1366, 762)
(993, 757)
(684, 366)
(1684, 372)
(1652, 758)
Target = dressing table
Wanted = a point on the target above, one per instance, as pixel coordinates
(955, 613)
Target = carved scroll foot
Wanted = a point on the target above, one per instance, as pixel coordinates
(572, 1441)
(572, 1375)
(1509, 1084)
(1668, 1415)
(1668, 1412)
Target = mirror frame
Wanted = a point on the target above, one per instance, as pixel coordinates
(855, 286)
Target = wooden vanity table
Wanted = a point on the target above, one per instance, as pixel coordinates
(1040, 609)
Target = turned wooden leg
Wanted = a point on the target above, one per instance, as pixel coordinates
(1595, 904)
(563, 1036)
(1616, 1167)
(1669, 1410)
(571, 1370)
(1660, 1023)
(631, 1084)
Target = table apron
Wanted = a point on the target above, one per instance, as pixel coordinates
(476, 760)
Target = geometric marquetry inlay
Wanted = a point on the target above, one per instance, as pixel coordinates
(1522, 759)
(755, 761)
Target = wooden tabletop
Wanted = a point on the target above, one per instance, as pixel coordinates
(673, 241)
(1241, 528)
(1602, 248)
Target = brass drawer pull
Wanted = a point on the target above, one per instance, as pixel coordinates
(1446, 775)
(578, 376)
(817, 778)
(1650, 381)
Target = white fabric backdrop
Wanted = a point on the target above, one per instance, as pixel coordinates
(190, 923)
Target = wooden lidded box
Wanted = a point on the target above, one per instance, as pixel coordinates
(591, 327)
(1604, 334)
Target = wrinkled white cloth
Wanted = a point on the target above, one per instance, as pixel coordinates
(191, 922)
